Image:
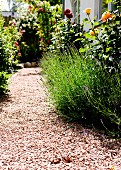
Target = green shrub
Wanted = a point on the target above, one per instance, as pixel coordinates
(3, 83)
(65, 33)
(4, 65)
(4, 60)
(104, 41)
(82, 90)
(9, 51)
(36, 20)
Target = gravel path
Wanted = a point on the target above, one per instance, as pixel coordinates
(32, 137)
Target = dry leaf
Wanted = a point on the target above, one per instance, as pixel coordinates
(67, 159)
(113, 168)
(55, 161)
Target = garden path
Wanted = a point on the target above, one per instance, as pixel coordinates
(33, 137)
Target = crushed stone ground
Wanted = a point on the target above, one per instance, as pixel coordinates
(33, 137)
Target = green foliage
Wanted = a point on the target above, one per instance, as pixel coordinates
(9, 35)
(52, 2)
(36, 26)
(4, 62)
(3, 68)
(8, 52)
(3, 83)
(65, 32)
(82, 90)
(104, 45)
(108, 45)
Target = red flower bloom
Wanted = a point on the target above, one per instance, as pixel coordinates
(30, 7)
(48, 41)
(14, 23)
(67, 11)
(69, 15)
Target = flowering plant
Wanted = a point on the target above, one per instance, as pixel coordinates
(68, 13)
(8, 51)
(36, 24)
(104, 41)
(65, 32)
(9, 35)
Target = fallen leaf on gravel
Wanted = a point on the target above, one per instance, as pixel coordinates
(55, 161)
(113, 168)
(67, 159)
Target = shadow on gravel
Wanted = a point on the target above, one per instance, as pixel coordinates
(31, 74)
(106, 141)
(34, 73)
(3, 100)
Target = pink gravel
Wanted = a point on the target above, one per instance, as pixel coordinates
(33, 137)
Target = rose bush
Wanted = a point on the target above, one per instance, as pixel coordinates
(36, 22)
(103, 41)
(65, 33)
(9, 35)
(9, 51)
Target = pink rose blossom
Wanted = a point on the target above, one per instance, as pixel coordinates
(19, 54)
(16, 43)
(40, 10)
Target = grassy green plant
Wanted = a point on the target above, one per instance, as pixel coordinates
(82, 90)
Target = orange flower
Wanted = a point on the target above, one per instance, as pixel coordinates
(106, 15)
(92, 33)
(88, 11)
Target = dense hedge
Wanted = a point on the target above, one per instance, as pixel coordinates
(3, 68)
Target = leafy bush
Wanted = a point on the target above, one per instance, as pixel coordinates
(4, 60)
(4, 64)
(65, 33)
(55, 2)
(8, 51)
(104, 41)
(82, 90)
(36, 26)
(3, 83)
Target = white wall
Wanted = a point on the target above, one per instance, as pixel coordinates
(95, 8)
(68, 4)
